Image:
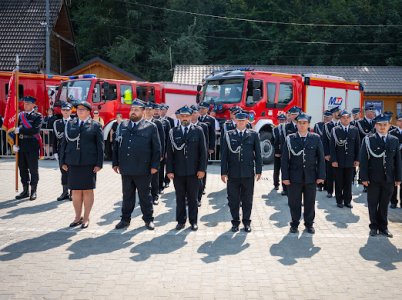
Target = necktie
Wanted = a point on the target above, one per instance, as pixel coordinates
(241, 134)
(384, 139)
(185, 131)
(346, 130)
(134, 125)
(81, 125)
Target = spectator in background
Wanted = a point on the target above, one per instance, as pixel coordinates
(112, 136)
(47, 125)
(97, 118)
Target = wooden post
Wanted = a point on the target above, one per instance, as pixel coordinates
(16, 119)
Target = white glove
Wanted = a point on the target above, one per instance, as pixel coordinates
(16, 148)
(17, 130)
(56, 156)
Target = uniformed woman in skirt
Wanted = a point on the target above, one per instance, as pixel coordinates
(81, 154)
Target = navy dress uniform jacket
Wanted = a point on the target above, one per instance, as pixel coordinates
(307, 169)
(90, 150)
(326, 138)
(365, 128)
(248, 162)
(211, 127)
(345, 156)
(372, 168)
(192, 158)
(27, 141)
(138, 149)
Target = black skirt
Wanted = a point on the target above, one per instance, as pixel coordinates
(81, 178)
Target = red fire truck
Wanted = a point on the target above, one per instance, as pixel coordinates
(266, 94)
(111, 96)
(40, 86)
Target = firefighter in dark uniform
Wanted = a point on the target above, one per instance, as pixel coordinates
(166, 128)
(241, 164)
(186, 164)
(380, 171)
(366, 127)
(194, 121)
(164, 116)
(276, 135)
(302, 167)
(136, 156)
(28, 130)
(319, 129)
(149, 116)
(47, 123)
(397, 132)
(390, 114)
(286, 129)
(356, 116)
(344, 152)
(329, 170)
(203, 109)
(58, 129)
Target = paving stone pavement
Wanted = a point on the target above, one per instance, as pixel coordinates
(41, 258)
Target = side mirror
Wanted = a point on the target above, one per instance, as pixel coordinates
(257, 84)
(256, 95)
(199, 88)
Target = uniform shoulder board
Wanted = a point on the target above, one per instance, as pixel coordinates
(292, 135)
(315, 134)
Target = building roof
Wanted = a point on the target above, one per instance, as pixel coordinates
(85, 66)
(375, 79)
(21, 32)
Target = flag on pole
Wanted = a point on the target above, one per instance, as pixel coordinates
(10, 120)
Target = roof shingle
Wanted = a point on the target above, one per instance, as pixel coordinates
(21, 32)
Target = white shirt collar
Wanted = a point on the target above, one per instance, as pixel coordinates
(345, 127)
(30, 112)
(381, 136)
(239, 131)
(303, 136)
(368, 120)
(66, 120)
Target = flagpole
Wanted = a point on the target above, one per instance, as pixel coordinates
(17, 60)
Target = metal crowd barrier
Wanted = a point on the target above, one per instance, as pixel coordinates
(47, 139)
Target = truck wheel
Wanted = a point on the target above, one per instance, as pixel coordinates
(267, 149)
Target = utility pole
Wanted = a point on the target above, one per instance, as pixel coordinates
(47, 37)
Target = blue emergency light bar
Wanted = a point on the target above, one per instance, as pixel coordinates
(84, 76)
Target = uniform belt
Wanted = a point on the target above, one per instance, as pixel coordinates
(24, 136)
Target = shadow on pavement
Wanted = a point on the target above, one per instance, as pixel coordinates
(380, 249)
(164, 244)
(42, 243)
(339, 217)
(169, 200)
(107, 243)
(30, 210)
(280, 203)
(293, 247)
(11, 203)
(225, 244)
(218, 202)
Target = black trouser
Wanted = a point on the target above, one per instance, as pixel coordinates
(28, 165)
(296, 193)
(200, 189)
(277, 169)
(329, 181)
(343, 185)
(394, 199)
(64, 176)
(130, 184)
(378, 197)
(186, 188)
(155, 186)
(162, 177)
(240, 190)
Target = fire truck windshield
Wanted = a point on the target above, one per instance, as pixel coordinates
(223, 91)
(76, 90)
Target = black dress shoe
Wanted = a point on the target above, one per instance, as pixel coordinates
(194, 227)
(84, 225)
(199, 203)
(311, 230)
(150, 225)
(122, 224)
(365, 189)
(393, 205)
(329, 195)
(63, 196)
(373, 232)
(235, 228)
(276, 188)
(24, 194)
(155, 201)
(203, 192)
(180, 226)
(247, 228)
(284, 193)
(293, 229)
(320, 189)
(348, 205)
(161, 191)
(75, 224)
(386, 233)
(33, 196)
(340, 205)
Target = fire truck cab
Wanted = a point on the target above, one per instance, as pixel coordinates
(266, 94)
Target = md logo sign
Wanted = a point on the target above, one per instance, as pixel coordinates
(335, 101)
